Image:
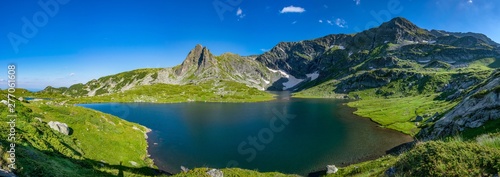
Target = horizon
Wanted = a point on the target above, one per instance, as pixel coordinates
(80, 41)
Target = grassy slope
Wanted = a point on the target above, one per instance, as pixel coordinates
(399, 109)
(449, 157)
(100, 144)
(231, 172)
(214, 91)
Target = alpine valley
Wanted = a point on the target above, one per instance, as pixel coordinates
(442, 88)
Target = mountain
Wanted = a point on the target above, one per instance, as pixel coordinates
(396, 60)
(426, 83)
(477, 108)
(397, 43)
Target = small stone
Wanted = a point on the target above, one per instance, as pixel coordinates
(133, 163)
(184, 169)
(330, 169)
(39, 119)
(419, 119)
(215, 173)
(390, 172)
(60, 127)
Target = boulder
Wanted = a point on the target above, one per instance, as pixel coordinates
(419, 119)
(133, 163)
(215, 173)
(390, 172)
(184, 169)
(60, 127)
(330, 169)
(6, 173)
(39, 119)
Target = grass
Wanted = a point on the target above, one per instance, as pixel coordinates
(231, 172)
(225, 91)
(99, 145)
(415, 92)
(492, 126)
(452, 156)
(375, 167)
(399, 113)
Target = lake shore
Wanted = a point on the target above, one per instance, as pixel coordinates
(346, 111)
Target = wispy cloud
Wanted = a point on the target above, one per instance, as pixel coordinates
(329, 22)
(469, 1)
(292, 9)
(357, 2)
(341, 23)
(264, 50)
(320, 21)
(71, 74)
(293, 23)
(239, 13)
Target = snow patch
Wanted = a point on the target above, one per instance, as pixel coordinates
(313, 76)
(283, 73)
(292, 81)
(266, 81)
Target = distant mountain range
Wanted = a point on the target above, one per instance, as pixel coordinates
(397, 59)
(294, 65)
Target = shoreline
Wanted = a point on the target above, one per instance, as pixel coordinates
(146, 137)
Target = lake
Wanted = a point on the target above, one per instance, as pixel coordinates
(289, 135)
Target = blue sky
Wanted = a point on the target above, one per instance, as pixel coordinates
(73, 41)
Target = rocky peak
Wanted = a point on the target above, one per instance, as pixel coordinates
(401, 23)
(400, 29)
(198, 58)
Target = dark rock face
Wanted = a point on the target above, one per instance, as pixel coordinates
(198, 59)
(297, 58)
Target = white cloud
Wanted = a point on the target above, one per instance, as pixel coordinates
(357, 2)
(71, 74)
(321, 21)
(239, 13)
(329, 22)
(292, 9)
(341, 23)
(469, 1)
(264, 50)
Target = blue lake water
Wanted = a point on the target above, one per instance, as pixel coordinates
(288, 135)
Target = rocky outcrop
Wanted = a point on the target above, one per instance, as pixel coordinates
(60, 127)
(198, 59)
(481, 106)
(330, 169)
(215, 173)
